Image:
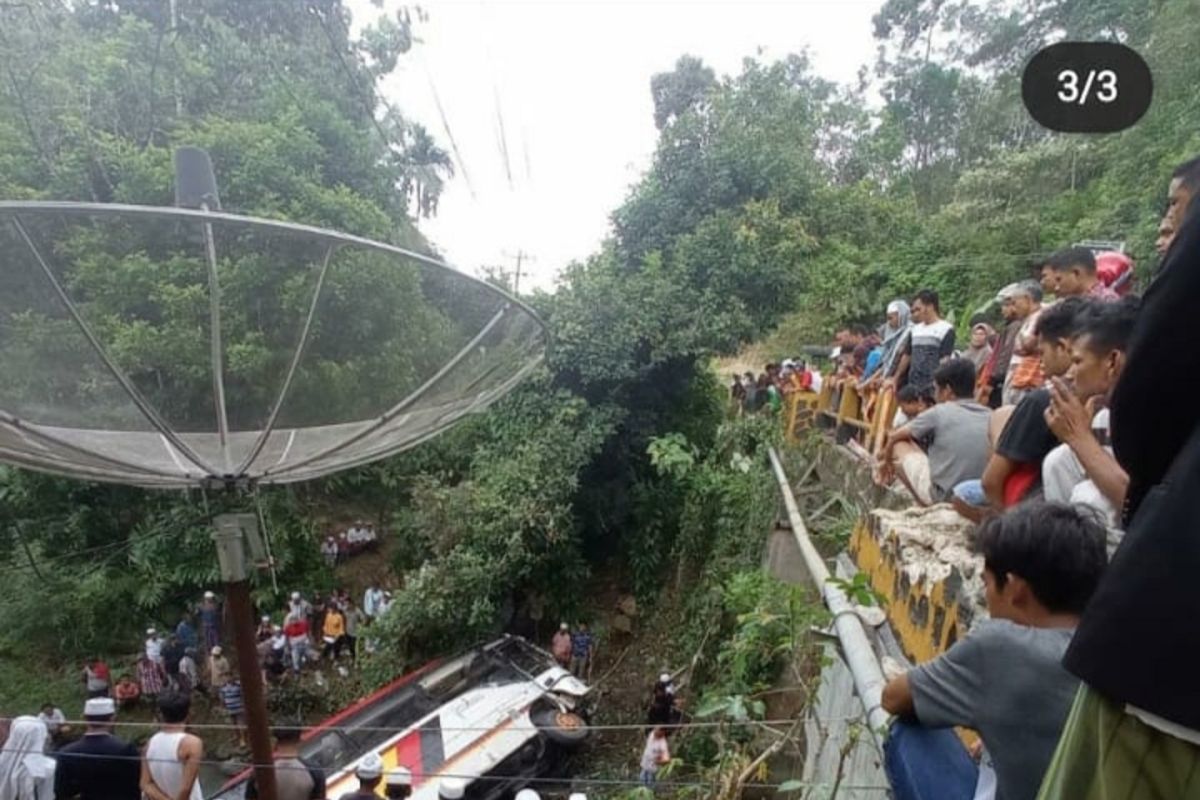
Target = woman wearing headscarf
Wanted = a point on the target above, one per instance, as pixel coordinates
(980, 349)
(895, 333)
(26, 772)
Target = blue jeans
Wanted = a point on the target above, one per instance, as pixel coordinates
(928, 764)
(299, 653)
(971, 493)
(646, 778)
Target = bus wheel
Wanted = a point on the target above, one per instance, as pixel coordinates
(561, 727)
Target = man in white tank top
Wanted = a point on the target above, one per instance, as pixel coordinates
(171, 761)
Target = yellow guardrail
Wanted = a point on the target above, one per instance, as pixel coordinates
(867, 414)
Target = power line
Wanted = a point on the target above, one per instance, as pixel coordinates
(573, 780)
(374, 96)
(678, 726)
(437, 102)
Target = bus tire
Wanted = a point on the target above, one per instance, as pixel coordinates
(564, 728)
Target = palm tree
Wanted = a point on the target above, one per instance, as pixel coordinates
(426, 169)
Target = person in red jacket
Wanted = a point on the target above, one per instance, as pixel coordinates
(295, 628)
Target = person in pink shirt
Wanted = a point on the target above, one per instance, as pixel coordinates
(560, 645)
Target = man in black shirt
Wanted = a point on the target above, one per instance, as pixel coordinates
(1027, 438)
(99, 766)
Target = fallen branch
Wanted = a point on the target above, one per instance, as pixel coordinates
(775, 747)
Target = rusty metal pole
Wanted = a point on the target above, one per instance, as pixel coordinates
(232, 555)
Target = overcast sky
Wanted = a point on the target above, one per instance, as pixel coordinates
(569, 81)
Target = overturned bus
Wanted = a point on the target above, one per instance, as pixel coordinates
(496, 716)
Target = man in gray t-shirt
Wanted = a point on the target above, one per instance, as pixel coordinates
(1042, 563)
(954, 435)
(976, 683)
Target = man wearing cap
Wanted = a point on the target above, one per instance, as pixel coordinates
(329, 551)
(210, 620)
(990, 384)
(154, 645)
(265, 629)
(295, 779)
(453, 789)
(219, 671)
(560, 645)
(398, 784)
(369, 773)
(527, 794)
(98, 766)
(1025, 369)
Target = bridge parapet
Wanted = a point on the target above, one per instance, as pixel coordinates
(920, 560)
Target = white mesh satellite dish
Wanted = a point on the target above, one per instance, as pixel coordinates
(166, 347)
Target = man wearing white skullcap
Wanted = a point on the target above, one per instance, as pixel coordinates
(528, 794)
(154, 645)
(398, 784)
(369, 773)
(451, 789)
(98, 766)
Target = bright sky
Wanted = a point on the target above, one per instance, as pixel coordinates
(569, 81)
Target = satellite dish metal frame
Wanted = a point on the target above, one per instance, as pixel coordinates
(234, 534)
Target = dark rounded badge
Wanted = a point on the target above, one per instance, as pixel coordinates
(1087, 87)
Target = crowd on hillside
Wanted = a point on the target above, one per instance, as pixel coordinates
(1072, 437)
(44, 758)
(357, 538)
(767, 393)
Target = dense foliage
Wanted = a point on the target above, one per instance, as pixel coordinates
(774, 196)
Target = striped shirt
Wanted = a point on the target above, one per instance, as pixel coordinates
(150, 676)
(231, 696)
(929, 344)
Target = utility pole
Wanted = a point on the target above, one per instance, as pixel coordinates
(233, 533)
(521, 257)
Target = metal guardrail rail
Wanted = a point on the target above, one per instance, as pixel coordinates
(866, 415)
(851, 632)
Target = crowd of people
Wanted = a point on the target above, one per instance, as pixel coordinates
(768, 393)
(573, 650)
(1069, 439)
(328, 629)
(44, 757)
(357, 538)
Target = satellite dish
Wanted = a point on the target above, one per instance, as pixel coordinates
(176, 347)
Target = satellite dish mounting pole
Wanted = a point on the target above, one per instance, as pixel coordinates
(196, 187)
(233, 532)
